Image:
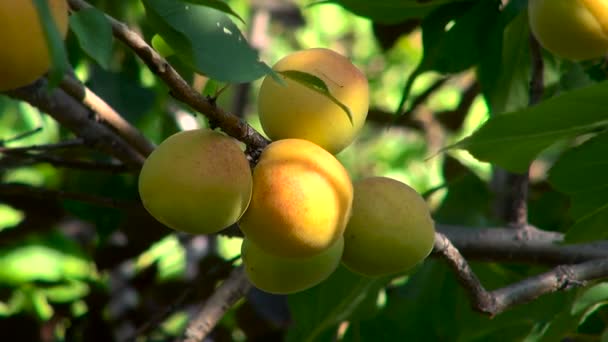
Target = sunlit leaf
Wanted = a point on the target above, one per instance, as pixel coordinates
(313, 82)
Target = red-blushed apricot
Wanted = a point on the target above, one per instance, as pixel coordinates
(296, 111)
(196, 181)
(390, 230)
(25, 55)
(280, 275)
(572, 29)
(301, 199)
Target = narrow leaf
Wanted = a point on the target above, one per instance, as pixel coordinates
(59, 61)
(513, 140)
(94, 34)
(314, 83)
(218, 5)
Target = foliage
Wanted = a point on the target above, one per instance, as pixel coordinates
(81, 268)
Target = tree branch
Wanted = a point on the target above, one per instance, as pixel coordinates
(14, 189)
(231, 291)
(77, 118)
(531, 245)
(562, 277)
(107, 115)
(22, 158)
(180, 89)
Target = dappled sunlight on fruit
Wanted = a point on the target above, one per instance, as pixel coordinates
(575, 30)
(196, 181)
(295, 111)
(391, 229)
(301, 199)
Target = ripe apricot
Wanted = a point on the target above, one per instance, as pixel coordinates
(281, 275)
(390, 230)
(572, 29)
(196, 181)
(295, 111)
(25, 56)
(301, 199)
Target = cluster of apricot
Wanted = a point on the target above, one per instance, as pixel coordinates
(298, 210)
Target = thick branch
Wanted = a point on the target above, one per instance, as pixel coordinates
(180, 89)
(77, 118)
(530, 245)
(480, 298)
(108, 115)
(560, 278)
(231, 291)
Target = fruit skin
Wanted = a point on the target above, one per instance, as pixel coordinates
(572, 29)
(295, 111)
(24, 56)
(390, 231)
(279, 275)
(196, 181)
(301, 200)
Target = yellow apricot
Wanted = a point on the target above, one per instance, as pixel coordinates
(572, 29)
(391, 229)
(280, 275)
(295, 111)
(301, 199)
(25, 56)
(196, 181)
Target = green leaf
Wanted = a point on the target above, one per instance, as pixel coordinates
(94, 34)
(218, 5)
(329, 303)
(59, 61)
(581, 173)
(513, 140)
(506, 87)
(391, 11)
(51, 259)
(590, 298)
(313, 82)
(452, 38)
(206, 40)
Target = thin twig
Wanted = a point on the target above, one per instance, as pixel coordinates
(14, 189)
(107, 114)
(20, 136)
(180, 89)
(78, 142)
(181, 299)
(225, 296)
(26, 158)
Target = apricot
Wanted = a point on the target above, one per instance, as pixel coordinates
(391, 229)
(280, 275)
(296, 111)
(25, 56)
(301, 199)
(572, 29)
(196, 181)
